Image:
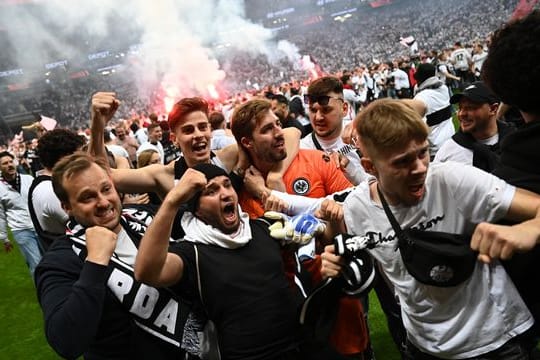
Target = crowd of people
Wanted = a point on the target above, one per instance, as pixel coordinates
(370, 36)
(254, 228)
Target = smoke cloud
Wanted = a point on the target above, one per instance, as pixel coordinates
(176, 40)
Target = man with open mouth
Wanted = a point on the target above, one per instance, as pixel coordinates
(92, 305)
(232, 267)
(228, 263)
(191, 131)
(14, 213)
(473, 319)
(259, 133)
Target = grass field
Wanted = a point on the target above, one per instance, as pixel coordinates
(21, 333)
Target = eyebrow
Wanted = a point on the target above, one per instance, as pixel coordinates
(411, 153)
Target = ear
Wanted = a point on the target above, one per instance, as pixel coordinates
(246, 143)
(493, 108)
(368, 165)
(345, 108)
(172, 138)
(66, 207)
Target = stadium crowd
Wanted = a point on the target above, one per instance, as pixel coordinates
(368, 38)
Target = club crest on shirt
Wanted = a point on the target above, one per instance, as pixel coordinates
(301, 186)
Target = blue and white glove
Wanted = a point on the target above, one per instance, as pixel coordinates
(299, 229)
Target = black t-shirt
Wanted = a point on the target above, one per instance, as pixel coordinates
(246, 294)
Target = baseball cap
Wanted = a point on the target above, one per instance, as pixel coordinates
(477, 92)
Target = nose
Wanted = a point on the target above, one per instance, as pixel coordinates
(198, 133)
(226, 193)
(420, 166)
(318, 115)
(278, 131)
(461, 112)
(102, 201)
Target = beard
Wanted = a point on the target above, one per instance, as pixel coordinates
(277, 156)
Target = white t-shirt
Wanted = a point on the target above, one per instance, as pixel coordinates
(118, 150)
(452, 151)
(478, 60)
(49, 212)
(461, 59)
(442, 70)
(352, 99)
(220, 139)
(149, 146)
(435, 100)
(354, 172)
(141, 136)
(473, 318)
(401, 79)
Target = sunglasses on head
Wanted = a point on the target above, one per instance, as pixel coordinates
(322, 100)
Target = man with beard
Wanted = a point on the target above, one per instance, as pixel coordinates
(222, 262)
(258, 131)
(327, 108)
(92, 305)
(477, 142)
(14, 211)
(280, 107)
(482, 317)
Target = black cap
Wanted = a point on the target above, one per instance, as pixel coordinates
(477, 92)
(210, 171)
(424, 72)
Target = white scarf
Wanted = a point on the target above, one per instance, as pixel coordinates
(430, 83)
(199, 232)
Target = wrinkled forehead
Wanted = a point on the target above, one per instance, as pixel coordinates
(466, 102)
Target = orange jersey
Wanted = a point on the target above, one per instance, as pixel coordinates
(308, 175)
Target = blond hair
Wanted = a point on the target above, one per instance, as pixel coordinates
(388, 124)
(144, 157)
